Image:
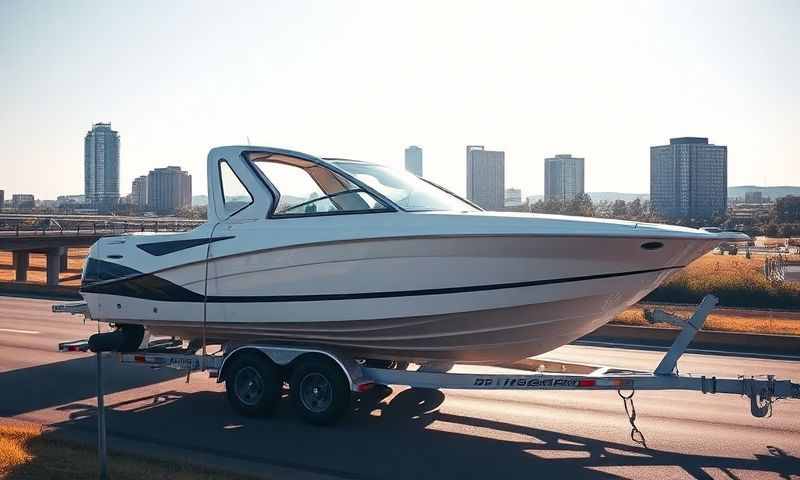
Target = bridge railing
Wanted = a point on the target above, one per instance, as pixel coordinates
(775, 268)
(39, 228)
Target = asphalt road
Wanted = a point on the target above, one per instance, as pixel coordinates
(407, 433)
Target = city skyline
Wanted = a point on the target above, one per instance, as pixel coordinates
(694, 69)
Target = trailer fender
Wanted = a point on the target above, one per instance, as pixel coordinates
(284, 356)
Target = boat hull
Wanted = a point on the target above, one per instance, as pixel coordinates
(486, 336)
(481, 299)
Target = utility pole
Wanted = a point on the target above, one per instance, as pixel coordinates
(102, 453)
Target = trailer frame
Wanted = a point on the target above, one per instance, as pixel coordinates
(361, 375)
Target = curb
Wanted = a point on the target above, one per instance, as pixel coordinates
(663, 337)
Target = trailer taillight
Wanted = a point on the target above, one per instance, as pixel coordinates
(363, 387)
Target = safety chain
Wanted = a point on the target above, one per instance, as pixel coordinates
(630, 409)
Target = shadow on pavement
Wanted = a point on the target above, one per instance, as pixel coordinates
(388, 437)
(44, 386)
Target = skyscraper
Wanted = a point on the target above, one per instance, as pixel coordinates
(486, 175)
(139, 191)
(689, 178)
(22, 201)
(169, 189)
(414, 160)
(563, 177)
(101, 166)
(2, 199)
(513, 197)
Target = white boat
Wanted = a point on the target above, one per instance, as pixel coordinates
(382, 263)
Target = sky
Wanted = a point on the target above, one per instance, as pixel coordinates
(601, 80)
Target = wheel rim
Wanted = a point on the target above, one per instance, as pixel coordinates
(316, 392)
(249, 386)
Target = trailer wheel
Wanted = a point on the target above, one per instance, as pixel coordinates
(319, 390)
(253, 384)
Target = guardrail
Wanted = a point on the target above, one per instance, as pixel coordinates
(775, 269)
(21, 228)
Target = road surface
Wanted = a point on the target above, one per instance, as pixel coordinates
(409, 434)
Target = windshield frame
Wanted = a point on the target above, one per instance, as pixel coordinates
(389, 206)
(331, 162)
(328, 163)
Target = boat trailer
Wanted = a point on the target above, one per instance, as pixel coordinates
(322, 369)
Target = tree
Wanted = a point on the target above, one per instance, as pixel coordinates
(635, 210)
(581, 206)
(771, 230)
(619, 209)
(549, 206)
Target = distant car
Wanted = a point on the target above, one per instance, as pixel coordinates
(731, 248)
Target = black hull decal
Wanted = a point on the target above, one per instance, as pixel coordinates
(102, 271)
(152, 287)
(171, 246)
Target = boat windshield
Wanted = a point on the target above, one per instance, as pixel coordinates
(408, 191)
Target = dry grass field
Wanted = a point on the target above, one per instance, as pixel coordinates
(737, 281)
(26, 453)
(724, 320)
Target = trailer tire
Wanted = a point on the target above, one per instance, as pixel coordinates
(253, 384)
(319, 390)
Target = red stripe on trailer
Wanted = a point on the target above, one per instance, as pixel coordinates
(586, 383)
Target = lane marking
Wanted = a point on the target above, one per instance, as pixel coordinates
(27, 332)
(776, 356)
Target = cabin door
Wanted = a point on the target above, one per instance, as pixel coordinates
(239, 202)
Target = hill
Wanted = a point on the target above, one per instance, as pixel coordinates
(612, 196)
(771, 192)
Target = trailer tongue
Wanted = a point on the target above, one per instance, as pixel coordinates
(321, 379)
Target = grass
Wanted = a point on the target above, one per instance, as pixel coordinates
(26, 452)
(724, 320)
(735, 280)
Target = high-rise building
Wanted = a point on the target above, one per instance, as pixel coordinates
(70, 200)
(689, 178)
(486, 176)
(139, 191)
(753, 197)
(513, 197)
(2, 199)
(169, 189)
(414, 160)
(101, 166)
(563, 177)
(22, 201)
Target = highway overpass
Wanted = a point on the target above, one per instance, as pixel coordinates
(53, 235)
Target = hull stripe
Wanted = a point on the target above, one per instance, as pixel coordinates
(152, 287)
